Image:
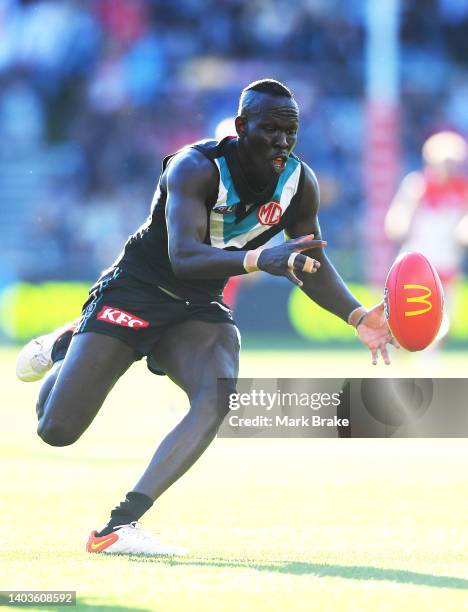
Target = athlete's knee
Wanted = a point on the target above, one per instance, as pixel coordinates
(213, 402)
(206, 421)
(227, 338)
(55, 433)
(46, 390)
(226, 389)
(41, 401)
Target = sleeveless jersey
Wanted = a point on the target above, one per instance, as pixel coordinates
(238, 219)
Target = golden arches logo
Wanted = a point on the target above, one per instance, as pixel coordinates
(418, 299)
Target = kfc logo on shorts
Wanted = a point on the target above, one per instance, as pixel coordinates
(270, 213)
(120, 317)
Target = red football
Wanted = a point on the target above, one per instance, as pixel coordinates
(414, 301)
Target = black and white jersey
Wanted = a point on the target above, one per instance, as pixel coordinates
(238, 219)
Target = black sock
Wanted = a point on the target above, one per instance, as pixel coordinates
(131, 509)
(60, 348)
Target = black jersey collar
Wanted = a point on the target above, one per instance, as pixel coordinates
(247, 195)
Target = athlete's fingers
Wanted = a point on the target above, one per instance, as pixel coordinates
(301, 239)
(385, 355)
(293, 278)
(306, 242)
(310, 265)
(374, 356)
(302, 263)
(311, 244)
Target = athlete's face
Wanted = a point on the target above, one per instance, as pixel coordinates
(268, 133)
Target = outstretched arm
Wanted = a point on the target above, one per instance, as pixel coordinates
(327, 288)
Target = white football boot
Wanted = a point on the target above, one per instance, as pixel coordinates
(131, 540)
(35, 359)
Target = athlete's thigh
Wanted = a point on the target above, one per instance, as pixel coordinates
(93, 364)
(194, 354)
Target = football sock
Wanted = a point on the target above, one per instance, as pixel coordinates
(60, 348)
(129, 510)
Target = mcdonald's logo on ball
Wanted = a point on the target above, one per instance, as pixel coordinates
(414, 301)
(419, 299)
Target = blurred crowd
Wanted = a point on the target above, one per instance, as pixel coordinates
(94, 93)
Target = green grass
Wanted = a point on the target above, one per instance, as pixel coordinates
(355, 525)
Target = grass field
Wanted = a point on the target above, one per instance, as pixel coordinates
(356, 525)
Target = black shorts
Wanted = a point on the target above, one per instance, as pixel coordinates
(138, 313)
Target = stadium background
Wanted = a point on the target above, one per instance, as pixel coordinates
(92, 95)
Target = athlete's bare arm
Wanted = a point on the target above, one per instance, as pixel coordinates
(190, 180)
(326, 287)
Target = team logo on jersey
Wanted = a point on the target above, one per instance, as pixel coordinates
(270, 213)
(116, 316)
(223, 209)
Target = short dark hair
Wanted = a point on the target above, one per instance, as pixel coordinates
(266, 86)
(269, 86)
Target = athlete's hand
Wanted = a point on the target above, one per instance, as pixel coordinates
(374, 332)
(287, 258)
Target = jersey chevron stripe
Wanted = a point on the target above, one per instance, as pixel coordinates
(226, 184)
(146, 253)
(224, 231)
(227, 195)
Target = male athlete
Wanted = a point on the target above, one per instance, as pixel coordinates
(215, 205)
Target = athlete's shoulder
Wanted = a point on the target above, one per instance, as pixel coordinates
(206, 149)
(210, 148)
(311, 185)
(190, 168)
(199, 157)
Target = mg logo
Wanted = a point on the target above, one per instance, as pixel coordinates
(270, 213)
(418, 299)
